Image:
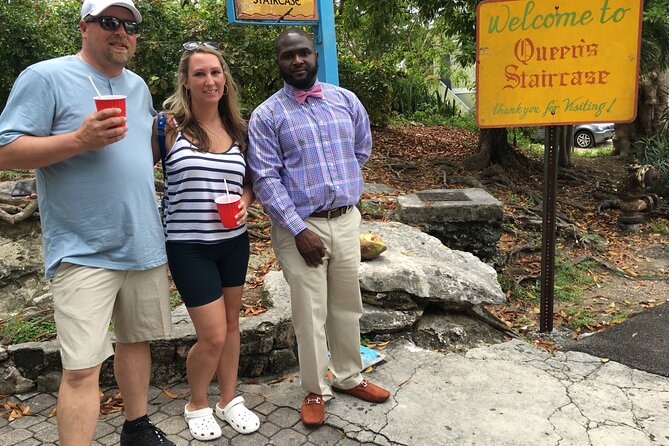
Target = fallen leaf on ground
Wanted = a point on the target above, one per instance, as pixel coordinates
(285, 377)
(168, 394)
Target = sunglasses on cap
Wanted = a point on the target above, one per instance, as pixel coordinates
(193, 45)
(112, 24)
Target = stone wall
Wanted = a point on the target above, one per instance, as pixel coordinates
(267, 346)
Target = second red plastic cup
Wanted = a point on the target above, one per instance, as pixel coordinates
(111, 101)
(227, 209)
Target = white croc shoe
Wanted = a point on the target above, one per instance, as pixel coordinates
(202, 424)
(238, 416)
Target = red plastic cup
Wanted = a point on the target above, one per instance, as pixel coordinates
(227, 209)
(111, 101)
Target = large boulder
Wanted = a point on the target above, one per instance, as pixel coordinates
(420, 265)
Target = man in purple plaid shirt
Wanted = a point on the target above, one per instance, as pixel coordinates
(308, 143)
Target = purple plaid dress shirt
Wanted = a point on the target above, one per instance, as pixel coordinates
(308, 157)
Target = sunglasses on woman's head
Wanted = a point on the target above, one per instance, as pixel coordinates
(193, 45)
(112, 24)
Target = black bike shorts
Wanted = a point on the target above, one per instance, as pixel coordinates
(201, 271)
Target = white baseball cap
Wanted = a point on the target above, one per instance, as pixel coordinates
(96, 7)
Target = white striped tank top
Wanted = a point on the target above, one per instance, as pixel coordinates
(194, 180)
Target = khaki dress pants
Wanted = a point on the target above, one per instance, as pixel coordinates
(325, 302)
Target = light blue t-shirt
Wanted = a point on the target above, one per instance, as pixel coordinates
(98, 208)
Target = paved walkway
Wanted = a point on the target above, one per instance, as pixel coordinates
(642, 342)
(508, 394)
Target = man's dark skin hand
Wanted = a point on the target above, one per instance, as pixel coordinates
(311, 247)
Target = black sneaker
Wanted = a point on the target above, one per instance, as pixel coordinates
(146, 435)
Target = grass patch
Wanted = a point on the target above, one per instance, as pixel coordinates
(570, 280)
(659, 226)
(14, 175)
(617, 317)
(175, 300)
(578, 317)
(510, 287)
(537, 149)
(534, 148)
(513, 199)
(158, 173)
(594, 153)
(17, 331)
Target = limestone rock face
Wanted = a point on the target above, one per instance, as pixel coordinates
(22, 282)
(453, 332)
(383, 320)
(420, 265)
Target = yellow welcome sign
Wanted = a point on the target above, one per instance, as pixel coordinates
(288, 10)
(543, 62)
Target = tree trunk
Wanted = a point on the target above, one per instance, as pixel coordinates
(494, 148)
(565, 145)
(651, 106)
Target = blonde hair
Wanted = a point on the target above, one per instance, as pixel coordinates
(178, 104)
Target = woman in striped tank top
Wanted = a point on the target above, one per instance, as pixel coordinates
(205, 139)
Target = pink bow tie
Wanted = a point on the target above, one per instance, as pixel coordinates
(302, 95)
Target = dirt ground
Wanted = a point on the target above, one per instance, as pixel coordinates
(622, 272)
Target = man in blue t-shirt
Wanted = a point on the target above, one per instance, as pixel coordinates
(103, 240)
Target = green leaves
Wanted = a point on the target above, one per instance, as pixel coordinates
(32, 31)
(370, 82)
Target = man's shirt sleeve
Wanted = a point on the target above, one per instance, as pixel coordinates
(266, 164)
(29, 109)
(363, 132)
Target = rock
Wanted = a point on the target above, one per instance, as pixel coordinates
(454, 332)
(463, 219)
(418, 264)
(29, 359)
(21, 266)
(395, 300)
(49, 382)
(253, 365)
(381, 320)
(13, 382)
(281, 360)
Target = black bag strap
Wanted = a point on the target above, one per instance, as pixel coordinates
(162, 118)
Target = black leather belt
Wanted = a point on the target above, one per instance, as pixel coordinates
(331, 213)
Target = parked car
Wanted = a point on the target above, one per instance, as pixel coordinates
(585, 135)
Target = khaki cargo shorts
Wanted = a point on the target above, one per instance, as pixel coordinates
(86, 300)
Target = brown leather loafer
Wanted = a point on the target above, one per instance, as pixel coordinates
(313, 410)
(366, 391)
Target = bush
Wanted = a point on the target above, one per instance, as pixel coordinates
(248, 50)
(414, 100)
(34, 31)
(655, 151)
(369, 81)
